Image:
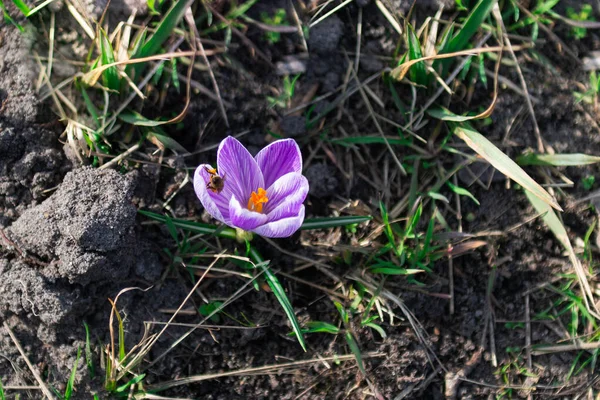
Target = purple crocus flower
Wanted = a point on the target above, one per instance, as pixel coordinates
(262, 194)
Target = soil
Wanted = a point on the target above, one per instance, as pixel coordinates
(71, 237)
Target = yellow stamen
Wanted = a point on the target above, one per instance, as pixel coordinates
(256, 201)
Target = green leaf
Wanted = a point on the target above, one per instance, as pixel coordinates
(314, 223)
(356, 351)
(349, 141)
(557, 160)
(378, 328)
(462, 192)
(22, 6)
(418, 74)
(162, 33)
(71, 381)
(464, 35)
(444, 114)
(133, 381)
(135, 118)
(332, 222)
(110, 76)
(88, 351)
(486, 149)
(241, 9)
(279, 293)
(192, 226)
(470, 27)
(323, 327)
(8, 17)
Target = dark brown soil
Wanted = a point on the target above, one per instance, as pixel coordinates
(70, 238)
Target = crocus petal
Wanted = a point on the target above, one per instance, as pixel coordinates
(243, 218)
(286, 196)
(282, 228)
(240, 170)
(216, 204)
(278, 159)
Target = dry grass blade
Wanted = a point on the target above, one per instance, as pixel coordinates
(486, 149)
(559, 231)
(34, 371)
(401, 70)
(267, 369)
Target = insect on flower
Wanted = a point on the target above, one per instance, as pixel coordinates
(262, 194)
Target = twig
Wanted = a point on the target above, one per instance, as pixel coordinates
(536, 128)
(120, 156)
(33, 370)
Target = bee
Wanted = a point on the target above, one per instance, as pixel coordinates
(216, 182)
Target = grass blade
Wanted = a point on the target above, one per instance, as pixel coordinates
(470, 27)
(356, 351)
(310, 223)
(2, 396)
(558, 229)
(137, 119)
(110, 76)
(557, 160)
(22, 7)
(486, 149)
(88, 351)
(191, 226)
(279, 293)
(164, 30)
(133, 381)
(418, 74)
(331, 222)
(71, 381)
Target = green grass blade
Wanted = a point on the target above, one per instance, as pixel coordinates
(2, 396)
(8, 17)
(356, 351)
(241, 9)
(462, 192)
(192, 226)
(331, 222)
(110, 76)
(137, 119)
(279, 293)
(444, 114)
(164, 30)
(71, 381)
(464, 35)
(418, 74)
(133, 381)
(22, 7)
(470, 27)
(557, 160)
(310, 223)
(349, 141)
(91, 108)
(486, 149)
(89, 361)
(321, 327)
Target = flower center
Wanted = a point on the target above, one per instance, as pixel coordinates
(256, 201)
